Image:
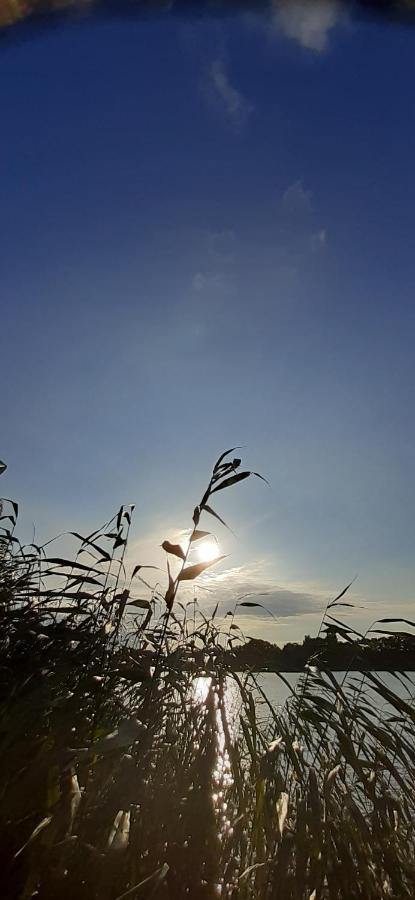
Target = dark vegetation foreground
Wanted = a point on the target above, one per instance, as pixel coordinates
(180, 780)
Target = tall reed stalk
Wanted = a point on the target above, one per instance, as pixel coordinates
(135, 762)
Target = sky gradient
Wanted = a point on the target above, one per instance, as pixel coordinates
(207, 239)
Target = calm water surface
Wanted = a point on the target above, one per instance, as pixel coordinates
(277, 692)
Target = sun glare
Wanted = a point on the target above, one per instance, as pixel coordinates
(207, 551)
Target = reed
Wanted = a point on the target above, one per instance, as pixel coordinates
(136, 763)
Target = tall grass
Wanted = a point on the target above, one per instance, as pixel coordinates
(136, 763)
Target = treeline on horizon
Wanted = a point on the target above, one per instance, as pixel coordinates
(385, 653)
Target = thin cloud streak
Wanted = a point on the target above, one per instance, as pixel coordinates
(231, 101)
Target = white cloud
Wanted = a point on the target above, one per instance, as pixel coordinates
(318, 240)
(252, 584)
(297, 607)
(308, 22)
(232, 102)
(216, 282)
(296, 201)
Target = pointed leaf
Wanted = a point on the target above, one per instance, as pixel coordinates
(197, 535)
(349, 628)
(222, 456)
(122, 598)
(257, 475)
(171, 590)
(81, 579)
(156, 876)
(191, 572)
(196, 515)
(137, 569)
(212, 512)
(282, 810)
(84, 540)
(174, 549)
(140, 604)
(353, 605)
(58, 561)
(232, 480)
(120, 831)
(42, 825)
(119, 517)
(250, 603)
(342, 593)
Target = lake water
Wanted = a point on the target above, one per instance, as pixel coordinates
(277, 691)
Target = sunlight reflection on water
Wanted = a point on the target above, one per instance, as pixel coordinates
(228, 709)
(277, 693)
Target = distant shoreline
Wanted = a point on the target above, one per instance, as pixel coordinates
(325, 668)
(333, 652)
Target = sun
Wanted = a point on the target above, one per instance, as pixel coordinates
(207, 551)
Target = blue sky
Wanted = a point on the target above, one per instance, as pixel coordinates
(207, 240)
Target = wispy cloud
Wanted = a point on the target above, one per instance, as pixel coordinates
(232, 102)
(318, 240)
(250, 582)
(296, 201)
(308, 23)
(213, 282)
(300, 234)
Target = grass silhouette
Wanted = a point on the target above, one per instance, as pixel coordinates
(136, 763)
